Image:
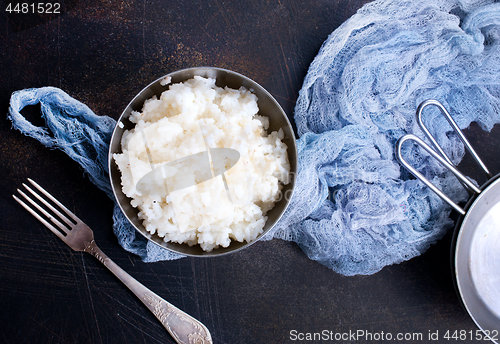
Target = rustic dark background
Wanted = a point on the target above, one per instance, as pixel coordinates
(102, 53)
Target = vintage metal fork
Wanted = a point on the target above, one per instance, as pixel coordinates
(78, 236)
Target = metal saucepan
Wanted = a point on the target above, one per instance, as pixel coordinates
(268, 106)
(476, 243)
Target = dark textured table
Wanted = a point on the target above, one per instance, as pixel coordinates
(102, 53)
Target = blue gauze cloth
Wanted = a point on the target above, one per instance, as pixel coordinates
(355, 209)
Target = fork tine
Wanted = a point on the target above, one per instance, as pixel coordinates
(49, 206)
(43, 211)
(41, 219)
(55, 201)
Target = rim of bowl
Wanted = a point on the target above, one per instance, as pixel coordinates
(223, 78)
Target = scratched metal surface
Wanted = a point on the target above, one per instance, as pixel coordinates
(103, 53)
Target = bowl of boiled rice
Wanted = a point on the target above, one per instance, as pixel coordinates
(202, 161)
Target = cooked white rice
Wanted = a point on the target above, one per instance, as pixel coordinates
(187, 119)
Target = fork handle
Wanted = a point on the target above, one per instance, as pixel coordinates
(184, 328)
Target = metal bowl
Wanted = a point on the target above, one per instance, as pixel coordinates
(268, 107)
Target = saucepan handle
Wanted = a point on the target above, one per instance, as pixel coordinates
(455, 127)
(443, 161)
(440, 155)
